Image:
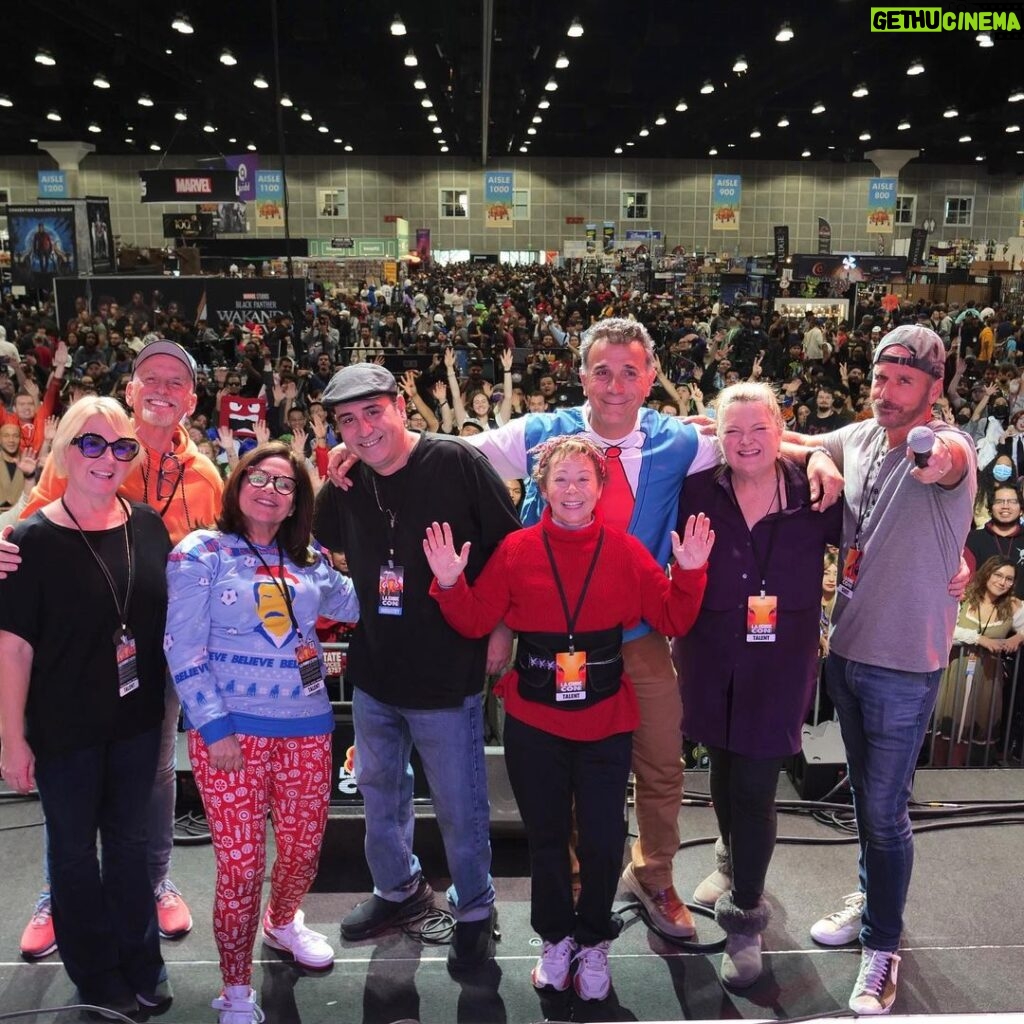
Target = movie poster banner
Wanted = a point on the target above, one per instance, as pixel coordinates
(608, 235)
(780, 239)
(498, 199)
(101, 234)
(423, 244)
(726, 194)
(590, 231)
(245, 167)
(824, 237)
(269, 199)
(42, 242)
(187, 186)
(881, 206)
(915, 253)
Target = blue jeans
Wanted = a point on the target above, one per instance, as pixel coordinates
(103, 910)
(451, 747)
(883, 715)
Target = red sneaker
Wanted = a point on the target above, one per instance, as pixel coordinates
(172, 913)
(38, 940)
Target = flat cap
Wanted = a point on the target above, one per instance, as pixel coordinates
(360, 380)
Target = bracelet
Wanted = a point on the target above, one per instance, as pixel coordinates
(824, 451)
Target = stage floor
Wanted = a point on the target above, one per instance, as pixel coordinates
(963, 951)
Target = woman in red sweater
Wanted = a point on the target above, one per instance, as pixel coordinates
(570, 710)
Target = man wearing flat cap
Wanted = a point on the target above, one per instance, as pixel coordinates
(905, 520)
(417, 682)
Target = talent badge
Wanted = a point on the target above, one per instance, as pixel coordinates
(570, 675)
(762, 618)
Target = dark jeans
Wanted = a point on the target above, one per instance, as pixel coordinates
(743, 793)
(104, 916)
(548, 774)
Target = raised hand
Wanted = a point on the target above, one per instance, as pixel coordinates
(27, 463)
(440, 390)
(446, 564)
(50, 428)
(262, 432)
(226, 438)
(506, 361)
(299, 442)
(408, 383)
(691, 552)
(449, 359)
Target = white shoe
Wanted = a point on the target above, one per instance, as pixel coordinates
(741, 961)
(592, 979)
(309, 948)
(875, 991)
(843, 926)
(237, 1005)
(554, 965)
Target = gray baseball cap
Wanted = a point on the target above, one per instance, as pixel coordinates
(927, 352)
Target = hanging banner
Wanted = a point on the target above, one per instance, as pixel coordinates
(726, 193)
(780, 235)
(42, 243)
(498, 199)
(245, 167)
(608, 235)
(53, 185)
(824, 237)
(1020, 219)
(881, 206)
(423, 244)
(101, 234)
(915, 254)
(188, 186)
(269, 199)
(591, 236)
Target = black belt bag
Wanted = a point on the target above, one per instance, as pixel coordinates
(535, 665)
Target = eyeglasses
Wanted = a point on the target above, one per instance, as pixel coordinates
(1005, 501)
(92, 446)
(169, 476)
(260, 479)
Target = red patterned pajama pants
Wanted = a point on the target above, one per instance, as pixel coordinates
(291, 778)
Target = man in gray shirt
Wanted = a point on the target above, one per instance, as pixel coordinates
(904, 528)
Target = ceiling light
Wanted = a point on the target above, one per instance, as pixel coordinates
(712, 151)
(45, 58)
(348, 147)
(322, 129)
(182, 24)
(426, 102)
(285, 101)
(783, 121)
(168, 51)
(831, 147)
(437, 130)
(964, 138)
(544, 104)
(864, 136)
(337, 142)
(707, 88)
(950, 112)
(251, 147)
(419, 83)
(860, 92)
(432, 117)
(660, 120)
(531, 130)
(784, 34)
(397, 26)
(915, 68)
(681, 106)
(232, 139)
(631, 143)
(260, 82)
(730, 145)
(903, 125)
(441, 142)
(806, 153)
(562, 62)
(756, 133)
(1010, 128)
(305, 116)
(1016, 96)
(984, 40)
(180, 115)
(145, 101)
(52, 115)
(551, 85)
(644, 132)
(155, 146)
(980, 157)
(618, 149)
(523, 149)
(95, 128)
(818, 108)
(209, 128)
(6, 101)
(228, 59)
(100, 81)
(575, 29)
(410, 60)
(129, 140)
(444, 149)
(740, 65)
(537, 119)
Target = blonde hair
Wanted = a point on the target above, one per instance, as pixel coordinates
(75, 418)
(557, 448)
(747, 393)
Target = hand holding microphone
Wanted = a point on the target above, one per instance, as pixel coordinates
(921, 441)
(932, 457)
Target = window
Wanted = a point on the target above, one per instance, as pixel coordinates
(905, 207)
(520, 204)
(453, 202)
(332, 202)
(636, 205)
(959, 211)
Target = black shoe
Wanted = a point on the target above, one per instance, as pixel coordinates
(376, 915)
(123, 1004)
(472, 943)
(158, 1000)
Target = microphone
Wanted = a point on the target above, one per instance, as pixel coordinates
(921, 441)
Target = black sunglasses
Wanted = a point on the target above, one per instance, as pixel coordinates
(92, 446)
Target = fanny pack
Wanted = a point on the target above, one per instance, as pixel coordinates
(543, 681)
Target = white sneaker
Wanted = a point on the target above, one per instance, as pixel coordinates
(875, 991)
(592, 979)
(309, 948)
(237, 1005)
(843, 926)
(554, 965)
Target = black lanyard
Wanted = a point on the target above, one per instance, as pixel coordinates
(570, 620)
(122, 608)
(390, 517)
(869, 496)
(278, 581)
(763, 563)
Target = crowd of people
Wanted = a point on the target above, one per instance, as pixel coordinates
(625, 432)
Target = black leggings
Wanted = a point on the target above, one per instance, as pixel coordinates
(743, 794)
